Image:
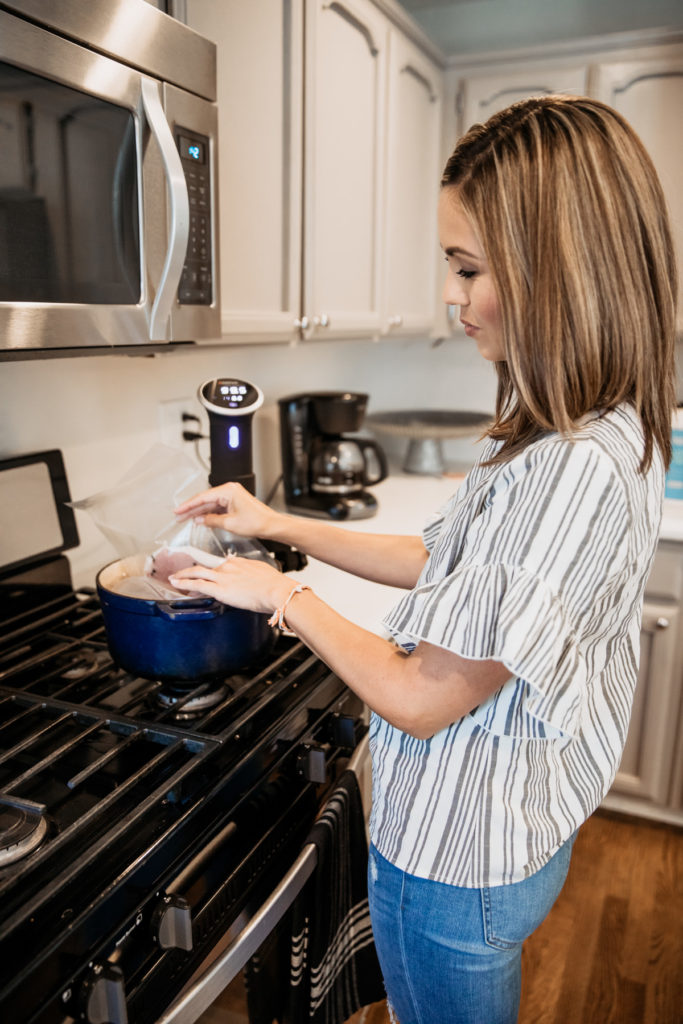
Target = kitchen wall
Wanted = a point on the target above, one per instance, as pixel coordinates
(103, 411)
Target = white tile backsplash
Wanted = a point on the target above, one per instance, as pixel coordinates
(102, 411)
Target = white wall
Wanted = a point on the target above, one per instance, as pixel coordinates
(102, 411)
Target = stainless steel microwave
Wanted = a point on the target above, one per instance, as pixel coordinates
(108, 178)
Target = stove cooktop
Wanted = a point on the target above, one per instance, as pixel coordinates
(120, 796)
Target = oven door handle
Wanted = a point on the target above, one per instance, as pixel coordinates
(209, 985)
(179, 212)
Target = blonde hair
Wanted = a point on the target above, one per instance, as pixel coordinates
(572, 219)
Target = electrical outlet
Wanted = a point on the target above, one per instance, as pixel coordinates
(171, 423)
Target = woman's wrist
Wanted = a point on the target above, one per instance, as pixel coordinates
(278, 619)
(281, 527)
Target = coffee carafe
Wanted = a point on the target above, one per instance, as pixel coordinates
(326, 471)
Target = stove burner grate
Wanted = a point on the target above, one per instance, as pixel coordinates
(22, 830)
(190, 701)
(132, 787)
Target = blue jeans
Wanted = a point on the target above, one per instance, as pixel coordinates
(451, 955)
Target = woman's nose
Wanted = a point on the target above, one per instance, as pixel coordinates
(453, 292)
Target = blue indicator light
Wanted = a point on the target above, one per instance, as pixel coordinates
(234, 437)
(194, 151)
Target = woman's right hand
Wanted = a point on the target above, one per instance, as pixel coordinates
(229, 507)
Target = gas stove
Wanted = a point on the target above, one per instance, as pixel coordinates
(140, 822)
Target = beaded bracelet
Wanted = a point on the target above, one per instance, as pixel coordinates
(278, 616)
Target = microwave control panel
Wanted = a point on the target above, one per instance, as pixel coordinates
(195, 288)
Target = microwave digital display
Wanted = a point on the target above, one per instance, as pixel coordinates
(191, 149)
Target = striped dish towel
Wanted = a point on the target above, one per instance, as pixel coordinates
(334, 967)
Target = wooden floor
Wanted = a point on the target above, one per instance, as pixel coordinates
(611, 950)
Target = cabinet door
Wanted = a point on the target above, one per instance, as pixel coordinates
(650, 96)
(481, 96)
(260, 100)
(345, 89)
(645, 769)
(411, 249)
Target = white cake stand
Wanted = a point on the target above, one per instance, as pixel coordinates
(426, 430)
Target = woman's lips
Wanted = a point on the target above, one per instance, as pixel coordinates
(469, 328)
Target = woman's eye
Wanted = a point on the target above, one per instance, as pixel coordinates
(467, 274)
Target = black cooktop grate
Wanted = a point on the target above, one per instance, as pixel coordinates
(55, 647)
(107, 763)
(135, 792)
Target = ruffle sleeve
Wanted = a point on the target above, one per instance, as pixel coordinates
(506, 614)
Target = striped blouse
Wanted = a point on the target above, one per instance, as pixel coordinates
(539, 563)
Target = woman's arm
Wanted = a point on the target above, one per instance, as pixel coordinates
(419, 693)
(383, 558)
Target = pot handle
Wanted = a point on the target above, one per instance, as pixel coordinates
(174, 610)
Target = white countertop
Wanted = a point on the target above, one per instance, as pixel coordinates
(405, 502)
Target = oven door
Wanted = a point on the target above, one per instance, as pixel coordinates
(220, 979)
(107, 211)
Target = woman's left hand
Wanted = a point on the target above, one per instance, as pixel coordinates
(240, 582)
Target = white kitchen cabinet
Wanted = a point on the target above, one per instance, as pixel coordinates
(260, 97)
(649, 93)
(345, 56)
(482, 94)
(648, 781)
(413, 169)
(329, 136)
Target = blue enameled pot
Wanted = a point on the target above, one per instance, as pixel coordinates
(191, 639)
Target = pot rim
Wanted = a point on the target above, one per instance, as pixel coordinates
(137, 563)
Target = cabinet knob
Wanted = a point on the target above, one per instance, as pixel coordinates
(662, 623)
(321, 321)
(303, 323)
(395, 321)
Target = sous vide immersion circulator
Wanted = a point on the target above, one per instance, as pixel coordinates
(230, 404)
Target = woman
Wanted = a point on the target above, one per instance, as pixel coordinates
(501, 703)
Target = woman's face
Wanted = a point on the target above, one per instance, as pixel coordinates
(468, 282)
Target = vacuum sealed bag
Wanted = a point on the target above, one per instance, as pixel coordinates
(136, 516)
(137, 510)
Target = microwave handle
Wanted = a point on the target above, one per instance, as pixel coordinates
(179, 212)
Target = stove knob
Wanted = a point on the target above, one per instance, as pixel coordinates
(103, 998)
(172, 923)
(310, 763)
(343, 728)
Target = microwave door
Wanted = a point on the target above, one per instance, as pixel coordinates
(89, 189)
(126, 236)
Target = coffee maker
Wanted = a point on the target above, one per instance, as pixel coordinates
(326, 471)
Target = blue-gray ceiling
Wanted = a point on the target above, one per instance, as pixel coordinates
(460, 27)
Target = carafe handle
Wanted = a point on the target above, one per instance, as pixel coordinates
(366, 446)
